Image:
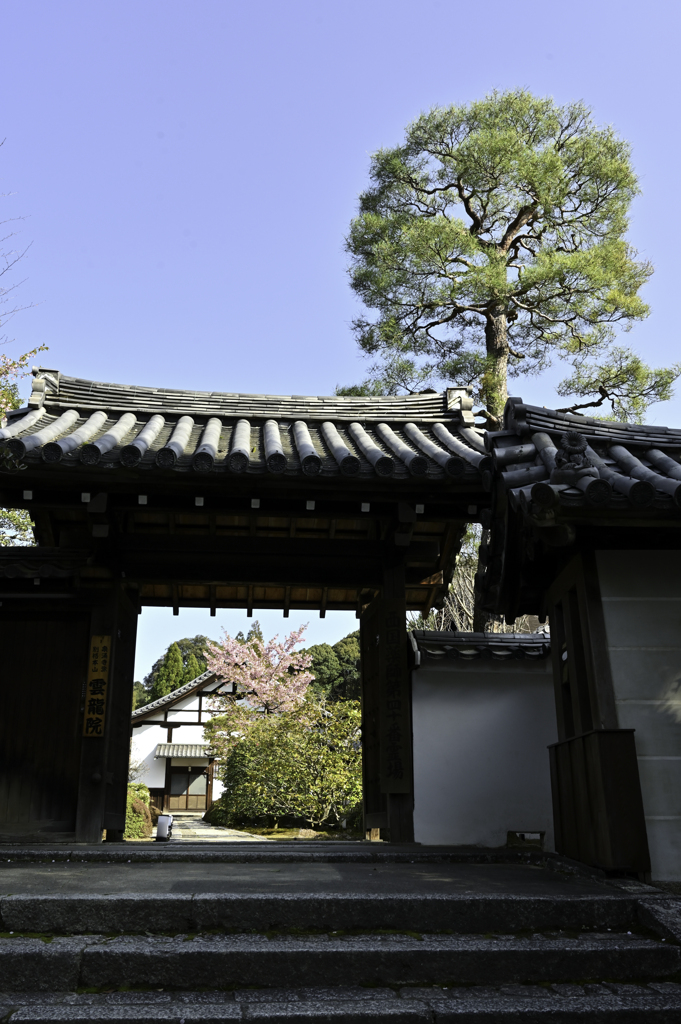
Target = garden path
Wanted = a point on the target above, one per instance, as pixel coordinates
(193, 829)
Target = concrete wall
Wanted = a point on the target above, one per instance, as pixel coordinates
(641, 592)
(481, 767)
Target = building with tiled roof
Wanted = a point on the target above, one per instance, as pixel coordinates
(168, 739)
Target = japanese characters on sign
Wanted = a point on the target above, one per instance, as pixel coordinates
(97, 682)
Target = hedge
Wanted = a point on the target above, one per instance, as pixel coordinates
(137, 812)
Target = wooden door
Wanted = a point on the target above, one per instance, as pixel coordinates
(188, 788)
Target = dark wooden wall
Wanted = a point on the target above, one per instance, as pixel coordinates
(43, 652)
(597, 802)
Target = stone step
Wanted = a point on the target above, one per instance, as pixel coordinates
(223, 961)
(657, 1003)
(293, 851)
(132, 913)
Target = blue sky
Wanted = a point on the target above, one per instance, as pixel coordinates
(188, 172)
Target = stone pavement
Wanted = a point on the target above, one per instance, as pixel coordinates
(192, 828)
(278, 868)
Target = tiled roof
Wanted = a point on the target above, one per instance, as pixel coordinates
(181, 750)
(78, 422)
(174, 695)
(431, 646)
(547, 459)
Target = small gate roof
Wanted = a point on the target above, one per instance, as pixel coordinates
(448, 645)
(181, 750)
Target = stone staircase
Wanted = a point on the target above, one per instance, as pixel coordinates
(611, 955)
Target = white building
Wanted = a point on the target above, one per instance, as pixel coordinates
(167, 735)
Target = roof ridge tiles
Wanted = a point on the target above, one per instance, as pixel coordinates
(173, 695)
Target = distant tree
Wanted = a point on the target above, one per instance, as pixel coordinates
(336, 669)
(169, 675)
(281, 748)
(254, 633)
(325, 668)
(140, 696)
(493, 241)
(189, 648)
(191, 669)
(348, 686)
(16, 528)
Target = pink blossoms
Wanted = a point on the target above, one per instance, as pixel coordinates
(272, 675)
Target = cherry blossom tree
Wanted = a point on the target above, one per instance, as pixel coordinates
(272, 676)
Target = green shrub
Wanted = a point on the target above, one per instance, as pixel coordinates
(140, 791)
(298, 766)
(137, 813)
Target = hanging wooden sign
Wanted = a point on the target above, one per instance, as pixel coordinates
(97, 683)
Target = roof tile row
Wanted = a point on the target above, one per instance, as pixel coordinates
(370, 437)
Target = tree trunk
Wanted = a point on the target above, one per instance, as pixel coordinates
(494, 386)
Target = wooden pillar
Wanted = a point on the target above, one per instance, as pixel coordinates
(597, 801)
(118, 748)
(106, 744)
(375, 801)
(386, 710)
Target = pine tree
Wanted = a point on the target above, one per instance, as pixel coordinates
(196, 646)
(493, 241)
(192, 670)
(170, 673)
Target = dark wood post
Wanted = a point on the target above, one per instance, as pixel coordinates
(386, 710)
(118, 748)
(106, 744)
(395, 705)
(375, 801)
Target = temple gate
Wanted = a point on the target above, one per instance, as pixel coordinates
(143, 496)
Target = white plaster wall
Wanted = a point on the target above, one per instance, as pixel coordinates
(144, 740)
(641, 592)
(481, 764)
(146, 737)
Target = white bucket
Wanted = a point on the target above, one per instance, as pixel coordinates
(164, 828)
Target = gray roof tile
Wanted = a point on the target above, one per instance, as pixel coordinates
(363, 425)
